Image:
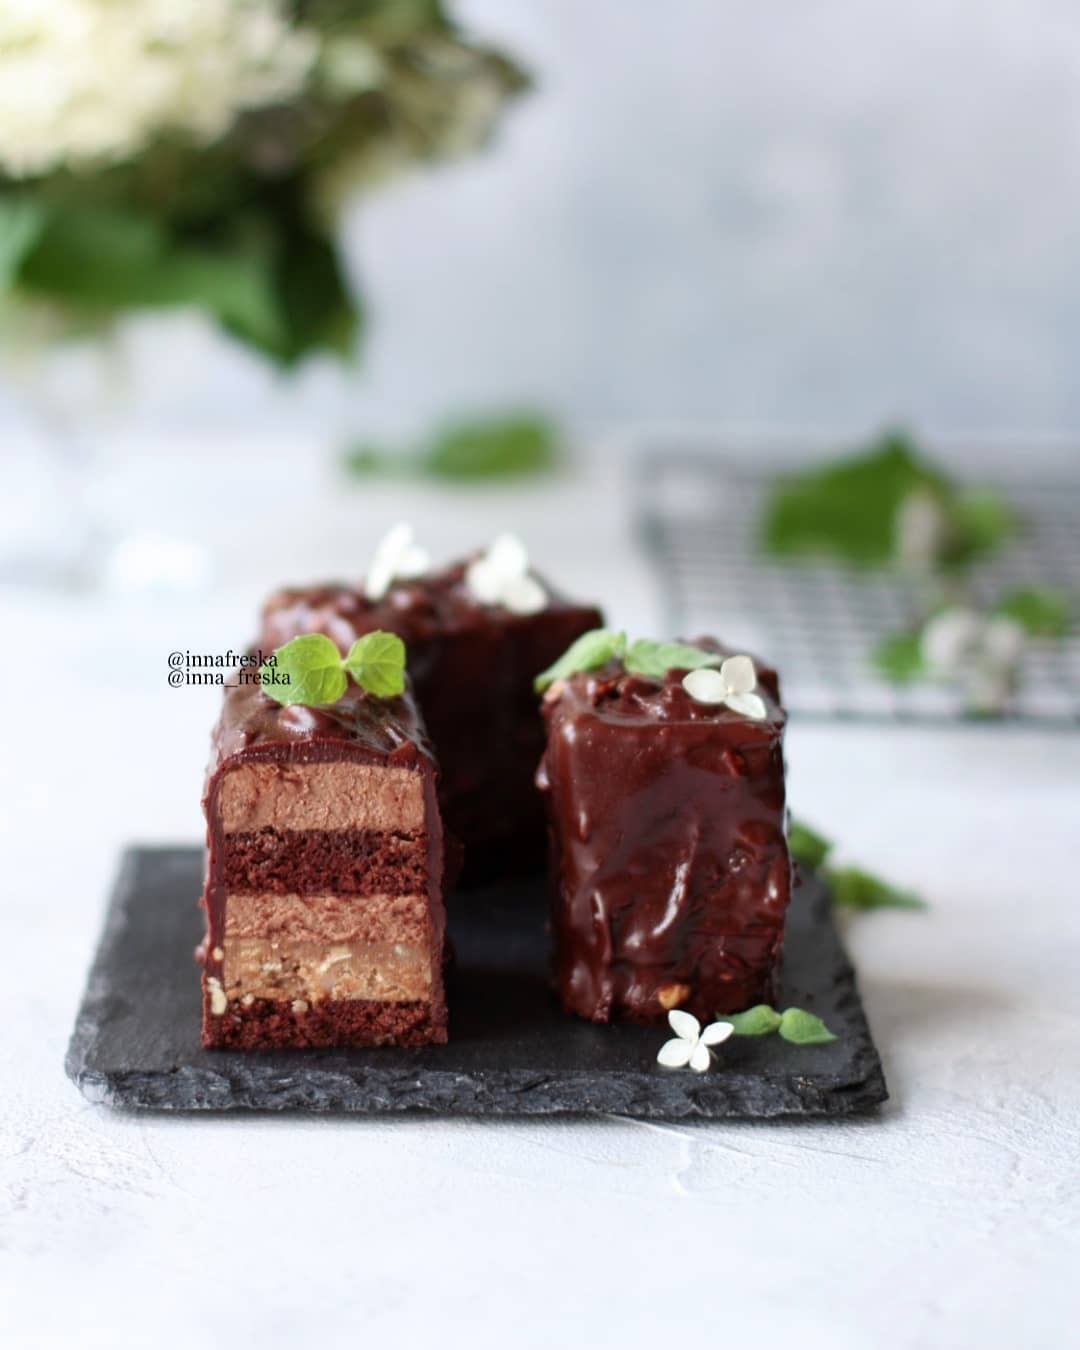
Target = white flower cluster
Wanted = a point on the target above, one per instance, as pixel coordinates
(88, 82)
(501, 576)
(397, 557)
(980, 652)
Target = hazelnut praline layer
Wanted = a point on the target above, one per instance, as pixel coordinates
(669, 858)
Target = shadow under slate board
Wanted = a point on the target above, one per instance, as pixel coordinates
(512, 1052)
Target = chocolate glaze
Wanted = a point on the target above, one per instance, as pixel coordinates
(358, 727)
(472, 667)
(670, 868)
(254, 726)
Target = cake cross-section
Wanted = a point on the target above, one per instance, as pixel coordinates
(323, 895)
(670, 867)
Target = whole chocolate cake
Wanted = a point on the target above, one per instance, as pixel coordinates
(472, 661)
(670, 867)
(323, 892)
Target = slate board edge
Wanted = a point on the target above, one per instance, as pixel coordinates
(243, 1083)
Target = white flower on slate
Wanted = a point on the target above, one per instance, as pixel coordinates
(982, 652)
(732, 685)
(691, 1045)
(397, 558)
(501, 577)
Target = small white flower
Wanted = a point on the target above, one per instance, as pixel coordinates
(691, 1045)
(951, 640)
(397, 558)
(501, 577)
(732, 685)
(982, 653)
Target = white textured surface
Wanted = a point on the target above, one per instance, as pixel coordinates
(951, 1220)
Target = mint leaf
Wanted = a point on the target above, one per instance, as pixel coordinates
(376, 662)
(899, 657)
(313, 667)
(589, 652)
(362, 460)
(655, 659)
(847, 508)
(1042, 611)
(980, 521)
(803, 1028)
(806, 845)
(757, 1021)
(497, 447)
(793, 1024)
(852, 888)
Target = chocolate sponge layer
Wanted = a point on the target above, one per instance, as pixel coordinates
(269, 1023)
(319, 862)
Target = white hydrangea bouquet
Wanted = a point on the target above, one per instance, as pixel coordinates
(158, 153)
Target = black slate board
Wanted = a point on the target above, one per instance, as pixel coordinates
(511, 1051)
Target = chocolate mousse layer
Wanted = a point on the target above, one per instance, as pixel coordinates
(472, 667)
(670, 867)
(323, 897)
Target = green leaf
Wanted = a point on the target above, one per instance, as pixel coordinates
(497, 447)
(655, 659)
(806, 845)
(590, 651)
(852, 888)
(361, 461)
(847, 508)
(376, 662)
(313, 668)
(104, 259)
(803, 1028)
(1042, 611)
(899, 657)
(760, 1020)
(312, 295)
(21, 224)
(980, 521)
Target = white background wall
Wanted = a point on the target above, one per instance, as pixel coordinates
(785, 213)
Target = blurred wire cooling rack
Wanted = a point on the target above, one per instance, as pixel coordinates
(818, 622)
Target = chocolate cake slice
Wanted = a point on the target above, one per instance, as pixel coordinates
(670, 865)
(323, 893)
(472, 665)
